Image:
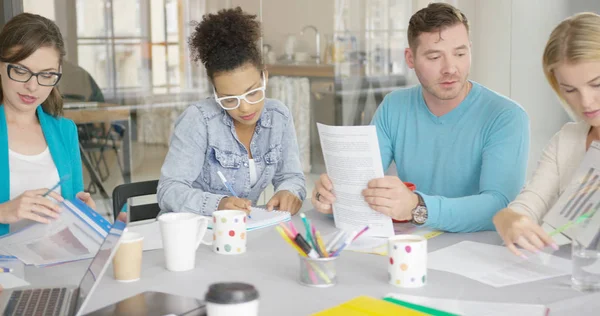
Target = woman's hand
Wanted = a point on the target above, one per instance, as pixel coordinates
(517, 229)
(235, 203)
(286, 201)
(31, 205)
(87, 199)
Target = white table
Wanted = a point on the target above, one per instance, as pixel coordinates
(272, 266)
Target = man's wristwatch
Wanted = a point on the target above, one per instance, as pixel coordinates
(419, 213)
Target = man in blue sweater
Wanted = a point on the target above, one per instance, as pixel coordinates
(463, 145)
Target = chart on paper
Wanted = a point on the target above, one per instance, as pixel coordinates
(581, 196)
(585, 198)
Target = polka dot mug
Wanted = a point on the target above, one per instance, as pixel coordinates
(229, 232)
(407, 260)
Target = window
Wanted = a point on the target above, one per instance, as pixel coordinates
(132, 48)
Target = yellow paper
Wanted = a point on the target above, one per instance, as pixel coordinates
(368, 306)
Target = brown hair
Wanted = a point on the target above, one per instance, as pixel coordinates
(434, 18)
(21, 37)
(575, 39)
(226, 40)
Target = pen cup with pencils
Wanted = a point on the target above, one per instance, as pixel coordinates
(317, 272)
(317, 259)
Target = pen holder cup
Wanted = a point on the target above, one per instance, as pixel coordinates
(319, 272)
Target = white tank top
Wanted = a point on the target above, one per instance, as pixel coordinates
(31, 172)
(253, 175)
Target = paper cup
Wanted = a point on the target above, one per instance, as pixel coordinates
(407, 261)
(229, 232)
(127, 262)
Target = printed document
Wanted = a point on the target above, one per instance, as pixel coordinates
(352, 159)
(75, 235)
(581, 196)
(496, 265)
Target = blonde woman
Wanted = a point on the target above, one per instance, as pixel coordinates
(571, 64)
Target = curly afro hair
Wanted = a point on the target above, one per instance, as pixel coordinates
(226, 41)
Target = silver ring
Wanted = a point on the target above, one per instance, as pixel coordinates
(317, 196)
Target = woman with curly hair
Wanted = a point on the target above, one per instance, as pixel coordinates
(239, 134)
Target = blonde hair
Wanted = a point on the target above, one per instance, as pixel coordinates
(574, 40)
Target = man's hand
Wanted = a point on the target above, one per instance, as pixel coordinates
(390, 196)
(286, 201)
(322, 196)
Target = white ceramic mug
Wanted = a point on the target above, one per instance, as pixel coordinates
(407, 260)
(182, 234)
(229, 232)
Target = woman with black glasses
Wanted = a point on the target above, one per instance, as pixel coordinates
(227, 149)
(38, 147)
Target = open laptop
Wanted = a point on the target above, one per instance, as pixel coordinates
(65, 300)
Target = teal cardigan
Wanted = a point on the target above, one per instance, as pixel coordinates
(63, 142)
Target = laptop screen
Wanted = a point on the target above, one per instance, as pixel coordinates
(96, 269)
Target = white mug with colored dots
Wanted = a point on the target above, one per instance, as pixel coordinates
(229, 232)
(407, 260)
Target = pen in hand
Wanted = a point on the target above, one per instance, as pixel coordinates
(230, 188)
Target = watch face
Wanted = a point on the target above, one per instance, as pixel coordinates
(420, 215)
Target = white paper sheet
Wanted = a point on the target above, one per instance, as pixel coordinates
(496, 265)
(473, 308)
(9, 281)
(378, 245)
(352, 159)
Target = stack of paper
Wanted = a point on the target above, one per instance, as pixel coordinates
(466, 308)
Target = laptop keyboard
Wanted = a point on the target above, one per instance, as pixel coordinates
(35, 302)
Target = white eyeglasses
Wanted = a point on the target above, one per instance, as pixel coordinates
(251, 97)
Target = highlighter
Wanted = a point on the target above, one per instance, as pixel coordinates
(305, 246)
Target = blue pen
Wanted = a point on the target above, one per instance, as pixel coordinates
(228, 185)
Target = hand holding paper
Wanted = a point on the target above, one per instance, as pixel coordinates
(390, 196)
(31, 205)
(322, 196)
(352, 159)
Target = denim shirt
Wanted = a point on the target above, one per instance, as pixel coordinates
(204, 142)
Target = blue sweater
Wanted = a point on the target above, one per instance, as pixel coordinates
(467, 164)
(63, 142)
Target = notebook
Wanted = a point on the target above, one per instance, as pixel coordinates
(261, 218)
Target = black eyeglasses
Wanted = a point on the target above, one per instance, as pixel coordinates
(20, 74)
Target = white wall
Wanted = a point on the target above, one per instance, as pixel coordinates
(530, 30)
(508, 40)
